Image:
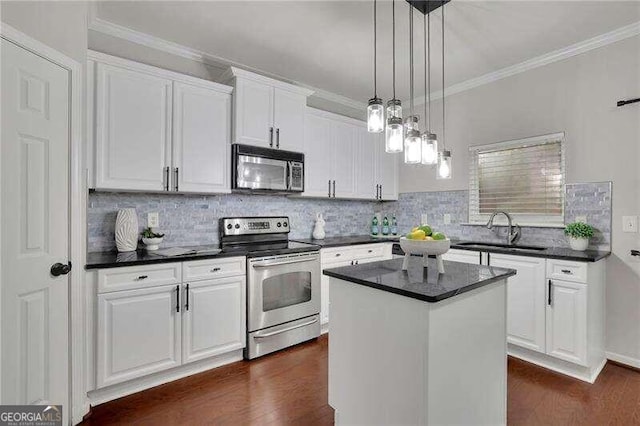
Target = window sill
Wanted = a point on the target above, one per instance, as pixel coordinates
(523, 224)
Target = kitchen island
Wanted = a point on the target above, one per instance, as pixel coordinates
(418, 347)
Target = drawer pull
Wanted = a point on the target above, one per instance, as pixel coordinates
(370, 251)
(143, 277)
(550, 290)
(338, 254)
(216, 269)
(566, 271)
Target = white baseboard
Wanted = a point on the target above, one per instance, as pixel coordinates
(623, 359)
(324, 328)
(586, 374)
(100, 396)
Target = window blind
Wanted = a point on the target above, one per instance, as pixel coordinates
(523, 177)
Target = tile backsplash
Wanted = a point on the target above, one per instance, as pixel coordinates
(193, 219)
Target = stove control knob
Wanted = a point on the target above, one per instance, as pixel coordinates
(229, 226)
(279, 225)
(237, 226)
(284, 224)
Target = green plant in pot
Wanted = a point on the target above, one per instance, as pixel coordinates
(151, 239)
(578, 234)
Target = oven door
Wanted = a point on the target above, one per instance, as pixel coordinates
(283, 288)
(261, 173)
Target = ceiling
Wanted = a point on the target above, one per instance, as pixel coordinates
(329, 44)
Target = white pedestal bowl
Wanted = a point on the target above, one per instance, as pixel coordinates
(425, 248)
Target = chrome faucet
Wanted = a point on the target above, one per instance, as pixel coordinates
(513, 233)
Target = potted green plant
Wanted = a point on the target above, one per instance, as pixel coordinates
(578, 234)
(151, 239)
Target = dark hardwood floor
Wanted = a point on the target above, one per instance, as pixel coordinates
(290, 387)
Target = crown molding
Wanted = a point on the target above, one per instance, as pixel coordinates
(234, 72)
(596, 42)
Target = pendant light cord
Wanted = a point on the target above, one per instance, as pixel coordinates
(375, 50)
(443, 113)
(393, 25)
(427, 80)
(411, 57)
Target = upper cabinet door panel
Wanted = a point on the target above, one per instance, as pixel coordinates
(365, 164)
(387, 170)
(345, 142)
(133, 129)
(253, 113)
(201, 134)
(318, 150)
(289, 112)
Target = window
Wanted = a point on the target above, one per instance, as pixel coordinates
(524, 177)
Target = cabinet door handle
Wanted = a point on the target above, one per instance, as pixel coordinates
(178, 298)
(549, 300)
(566, 271)
(271, 137)
(143, 277)
(278, 137)
(166, 175)
(380, 191)
(329, 187)
(177, 175)
(186, 305)
(352, 262)
(334, 189)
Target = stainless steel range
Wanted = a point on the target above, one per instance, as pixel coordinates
(283, 282)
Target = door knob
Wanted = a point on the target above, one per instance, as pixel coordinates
(58, 269)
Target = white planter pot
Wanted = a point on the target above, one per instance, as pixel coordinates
(152, 243)
(579, 244)
(127, 230)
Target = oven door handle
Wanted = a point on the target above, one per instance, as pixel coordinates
(267, 263)
(284, 330)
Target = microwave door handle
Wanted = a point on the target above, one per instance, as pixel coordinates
(288, 175)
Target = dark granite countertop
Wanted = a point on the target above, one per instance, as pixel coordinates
(560, 253)
(348, 240)
(113, 259)
(388, 276)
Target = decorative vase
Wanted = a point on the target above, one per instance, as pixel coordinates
(578, 244)
(318, 229)
(127, 230)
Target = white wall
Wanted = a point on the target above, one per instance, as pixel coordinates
(577, 96)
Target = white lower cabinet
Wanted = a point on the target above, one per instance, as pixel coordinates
(525, 300)
(337, 257)
(146, 330)
(567, 321)
(213, 321)
(462, 256)
(138, 333)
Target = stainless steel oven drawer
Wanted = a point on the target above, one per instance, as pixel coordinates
(278, 337)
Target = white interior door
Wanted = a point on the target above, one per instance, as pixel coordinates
(35, 228)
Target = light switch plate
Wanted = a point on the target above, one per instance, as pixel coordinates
(424, 219)
(582, 219)
(153, 220)
(447, 218)
(629, 223)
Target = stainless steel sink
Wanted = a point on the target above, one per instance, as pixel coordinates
(480, 245)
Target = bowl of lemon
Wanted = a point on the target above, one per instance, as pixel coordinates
(423, 241)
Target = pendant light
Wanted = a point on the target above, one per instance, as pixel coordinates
(429, 139)
(393, 134)
(412, 141)
(444, 158)
(375, 109)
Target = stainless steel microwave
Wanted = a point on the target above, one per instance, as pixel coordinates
(257, 169)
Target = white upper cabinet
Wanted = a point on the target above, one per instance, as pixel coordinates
(133, 129)
(386, 171)
(156, 130)
(288, 119)
(267, 112)
(201, 134)
(343, 160)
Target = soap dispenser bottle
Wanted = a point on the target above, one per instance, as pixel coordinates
(385, 226)
(375, 229)
(394, 225)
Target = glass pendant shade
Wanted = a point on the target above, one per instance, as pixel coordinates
(394, 135)
(444, 165)
(375, 116)
(412, 141)
(394, 109)
(429, 148)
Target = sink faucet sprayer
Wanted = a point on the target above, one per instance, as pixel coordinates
(513, 233)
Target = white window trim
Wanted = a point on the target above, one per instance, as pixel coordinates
(475, 218)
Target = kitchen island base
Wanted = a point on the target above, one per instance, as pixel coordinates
(399, 360)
